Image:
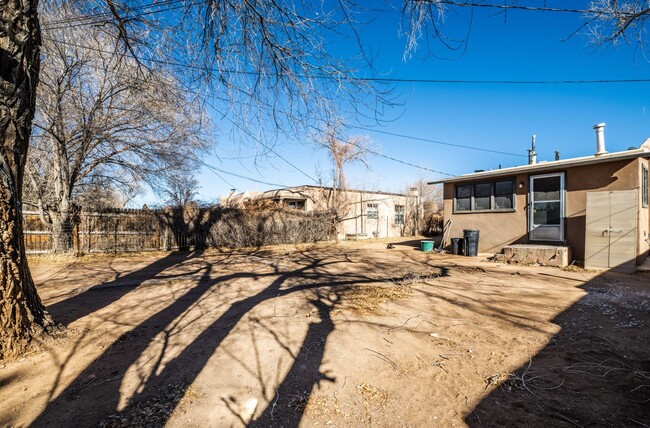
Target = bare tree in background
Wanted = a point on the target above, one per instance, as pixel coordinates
(343, 151)
(429, 207)
(179, 190)
(102, 119)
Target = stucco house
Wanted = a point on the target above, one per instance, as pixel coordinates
(362, 214)
(596, 206)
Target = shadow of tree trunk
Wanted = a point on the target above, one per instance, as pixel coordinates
(594, 372)
(286, 408)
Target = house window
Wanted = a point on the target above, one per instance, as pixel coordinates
(296, 204)
(372, 211)
(482, 196)
(498, 195)
(503, 195)
(399, 214)
(645, 190)
(464, 198)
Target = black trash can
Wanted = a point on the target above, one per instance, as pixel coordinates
(456, 245)
(471, 242)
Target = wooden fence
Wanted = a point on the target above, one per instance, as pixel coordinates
(136, 230)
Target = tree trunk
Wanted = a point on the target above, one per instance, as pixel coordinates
(62, 236)
(22, 315)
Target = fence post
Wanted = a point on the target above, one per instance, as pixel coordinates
(157, 236)
(75, 238)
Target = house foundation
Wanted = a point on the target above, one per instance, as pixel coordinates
(544, 255)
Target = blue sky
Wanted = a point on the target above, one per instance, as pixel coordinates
(525, 46)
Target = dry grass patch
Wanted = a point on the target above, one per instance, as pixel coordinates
(365, 299)
(374, 399)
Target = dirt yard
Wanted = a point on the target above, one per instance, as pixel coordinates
(332, 335)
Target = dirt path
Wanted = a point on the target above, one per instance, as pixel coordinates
(336, 335)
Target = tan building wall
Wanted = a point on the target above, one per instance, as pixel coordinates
(498, 229)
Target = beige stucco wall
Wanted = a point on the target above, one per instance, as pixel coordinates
(384, 226)
(498, 229)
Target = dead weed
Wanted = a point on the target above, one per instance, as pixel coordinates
(373, 398)
(366, 299)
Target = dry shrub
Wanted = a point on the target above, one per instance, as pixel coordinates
(432, 224)
(258, 227)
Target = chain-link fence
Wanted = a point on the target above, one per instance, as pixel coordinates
(194, 227)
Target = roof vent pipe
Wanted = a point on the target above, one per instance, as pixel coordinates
(600, 139)
(532, 156)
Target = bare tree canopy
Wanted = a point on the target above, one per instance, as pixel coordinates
(265, 66)
(104, 120)
(615, 21)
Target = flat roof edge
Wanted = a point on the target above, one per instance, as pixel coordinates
(544, 166)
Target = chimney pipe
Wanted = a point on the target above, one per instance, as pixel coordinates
(532, 156)
(600, 139)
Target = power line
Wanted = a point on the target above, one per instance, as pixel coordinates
(104, 17)
(438, 142)
(92, 19)
(375, 79)
(376, 153)
(320, 130)
(528, 8)
(214, 168)
(364, 79)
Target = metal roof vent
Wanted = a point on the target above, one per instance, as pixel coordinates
(600, 139)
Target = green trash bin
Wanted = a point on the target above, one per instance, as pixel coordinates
(427, 246)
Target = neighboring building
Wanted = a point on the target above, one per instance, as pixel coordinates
(362, 214)
(597, 205)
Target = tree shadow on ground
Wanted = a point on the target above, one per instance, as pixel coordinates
(192, 230)
(101, 295)
(101, 380)
(594, 372)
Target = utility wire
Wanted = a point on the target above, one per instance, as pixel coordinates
(363, 79)
(104, 17)
(214, 168)
(91, 19)
(376, 153)
(410, 137)
(529, 8)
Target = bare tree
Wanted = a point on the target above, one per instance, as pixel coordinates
(615, 21)
(424, 208)
(342, 152)
(179, 190)
(102, 118)
(22, 314)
